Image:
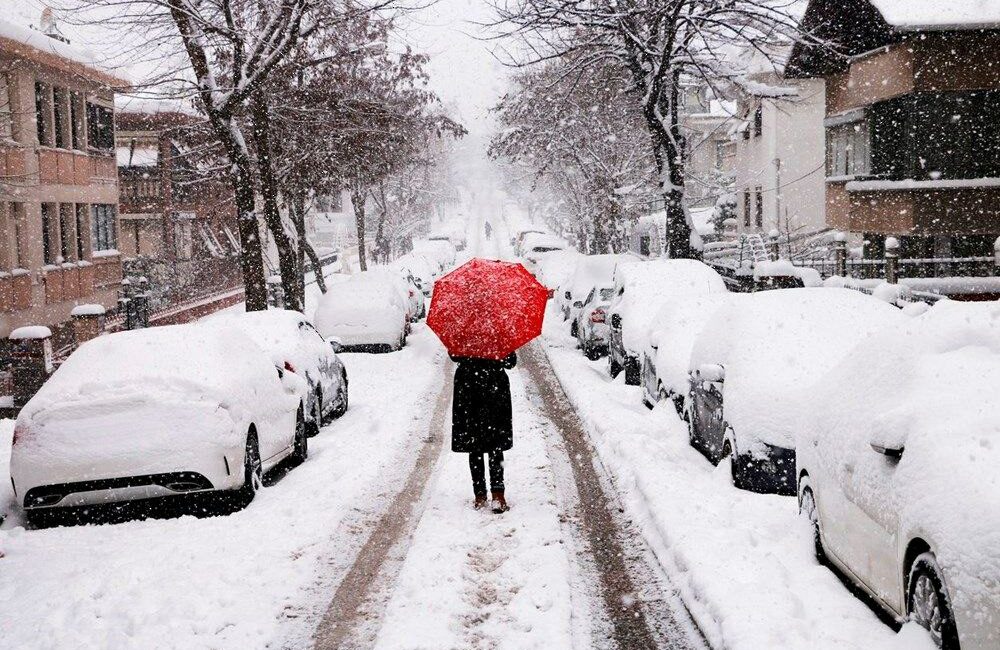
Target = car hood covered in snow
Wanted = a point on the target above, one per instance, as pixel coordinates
(929, 386)
(775, 342)
(354, 304)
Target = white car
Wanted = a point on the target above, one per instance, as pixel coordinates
(899, 450)
(420, 268)
(156, 412)
(364, 316)
(295, 345)
(591, 271)
(443, 252)
(405, 291)
(641, 289)
(519, 233)
(536, 245)
(590, 326)
(556, 268)
(752, 356)
(673, 332)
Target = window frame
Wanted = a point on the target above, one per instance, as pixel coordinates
(103, 227)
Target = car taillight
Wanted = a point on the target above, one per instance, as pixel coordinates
(18, 435)
(289, 367)
(411, 293)
(597, 316)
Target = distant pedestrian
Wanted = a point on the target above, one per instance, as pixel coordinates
(481, 423)
(489, 229)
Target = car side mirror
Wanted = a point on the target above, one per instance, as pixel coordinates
(578, 304)
(712, 372)
(893, 453)
(336, 345)
(616, 321)
(654, 339)
(568, 295)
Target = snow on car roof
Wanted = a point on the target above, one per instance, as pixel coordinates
(274, 330)
(201, 363)
(357, 302)
(557, 267)
(593, 270)
(914, 15)
(928, 385)
(774, 342)
(649, 284)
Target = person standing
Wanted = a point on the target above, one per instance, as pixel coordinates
(481, 423)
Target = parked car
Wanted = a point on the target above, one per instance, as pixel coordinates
(158, 412)
(420, 268)
(641, 288)
(897, 471)
(535, 245)
(411, 299)
(443, 252)
(667, 356)
(295, 345)
(364, 316)
(590, 326)
(456, 238)
(517, 239)
(752, 356)
(591, 271)
(557, 267)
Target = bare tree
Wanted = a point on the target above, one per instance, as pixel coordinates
(659, 43)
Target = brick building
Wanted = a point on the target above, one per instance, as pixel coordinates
(58, 181)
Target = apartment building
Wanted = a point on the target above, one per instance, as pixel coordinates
(58, 180)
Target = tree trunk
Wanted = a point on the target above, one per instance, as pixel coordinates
(269, 190)
(251, 255)
(383, 248)
(314, 260)
(297, 207)
(358, 196)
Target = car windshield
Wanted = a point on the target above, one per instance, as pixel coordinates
(607, 294)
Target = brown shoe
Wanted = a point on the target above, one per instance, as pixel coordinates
(480, 502)
(499, 502)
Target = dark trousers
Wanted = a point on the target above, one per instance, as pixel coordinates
(479, 472)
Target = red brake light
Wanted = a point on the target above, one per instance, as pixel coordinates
(411, 293)
(597, 316)
(18, 435)
(289, 367)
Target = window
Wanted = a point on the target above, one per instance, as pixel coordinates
(644, 245)
(49, 246)
(81, 229)
(746, 208)
(607, 294)
(100, 127)
(758, 120)
(43, 113)
(77, 126)
(183, 241)
(847, 150)
(104, 235)
(60, 125)
(67, 245)
(15, 214)
(720, 153)
(759, 208)
(6, 113)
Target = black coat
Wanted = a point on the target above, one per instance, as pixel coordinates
(481, 416)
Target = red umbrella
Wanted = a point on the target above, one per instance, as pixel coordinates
(487, 309)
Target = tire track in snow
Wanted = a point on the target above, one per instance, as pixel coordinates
(352, 606)
(645, 612)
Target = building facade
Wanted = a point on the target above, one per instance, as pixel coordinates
(58, 181)
(779, 157)
(911, 123)
(178, 222)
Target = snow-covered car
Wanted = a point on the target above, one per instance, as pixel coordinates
(591, 326)
(534, 246)
(295, 345)
(899, 447)
(422, 270)
(752, 356)
(519, 233)
(641, 289)
(556, 268)
(673, 332)
(363, 316)
(443, 252)
(590, 272)
(455, 237)
(411, 298)
(156, 412)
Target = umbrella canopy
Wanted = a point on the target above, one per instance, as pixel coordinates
(487, 309)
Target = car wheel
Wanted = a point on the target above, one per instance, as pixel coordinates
(342, 396)
(591, 352)
(928, 602)
(736, 468)
(574, 330)
(614, 368)
(314, 424)
(808, 510)
(253, 471)
(300, 450)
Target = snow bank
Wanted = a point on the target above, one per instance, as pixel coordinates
(916, 15)
(776, 341)
(30, 332)
(928, 385)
